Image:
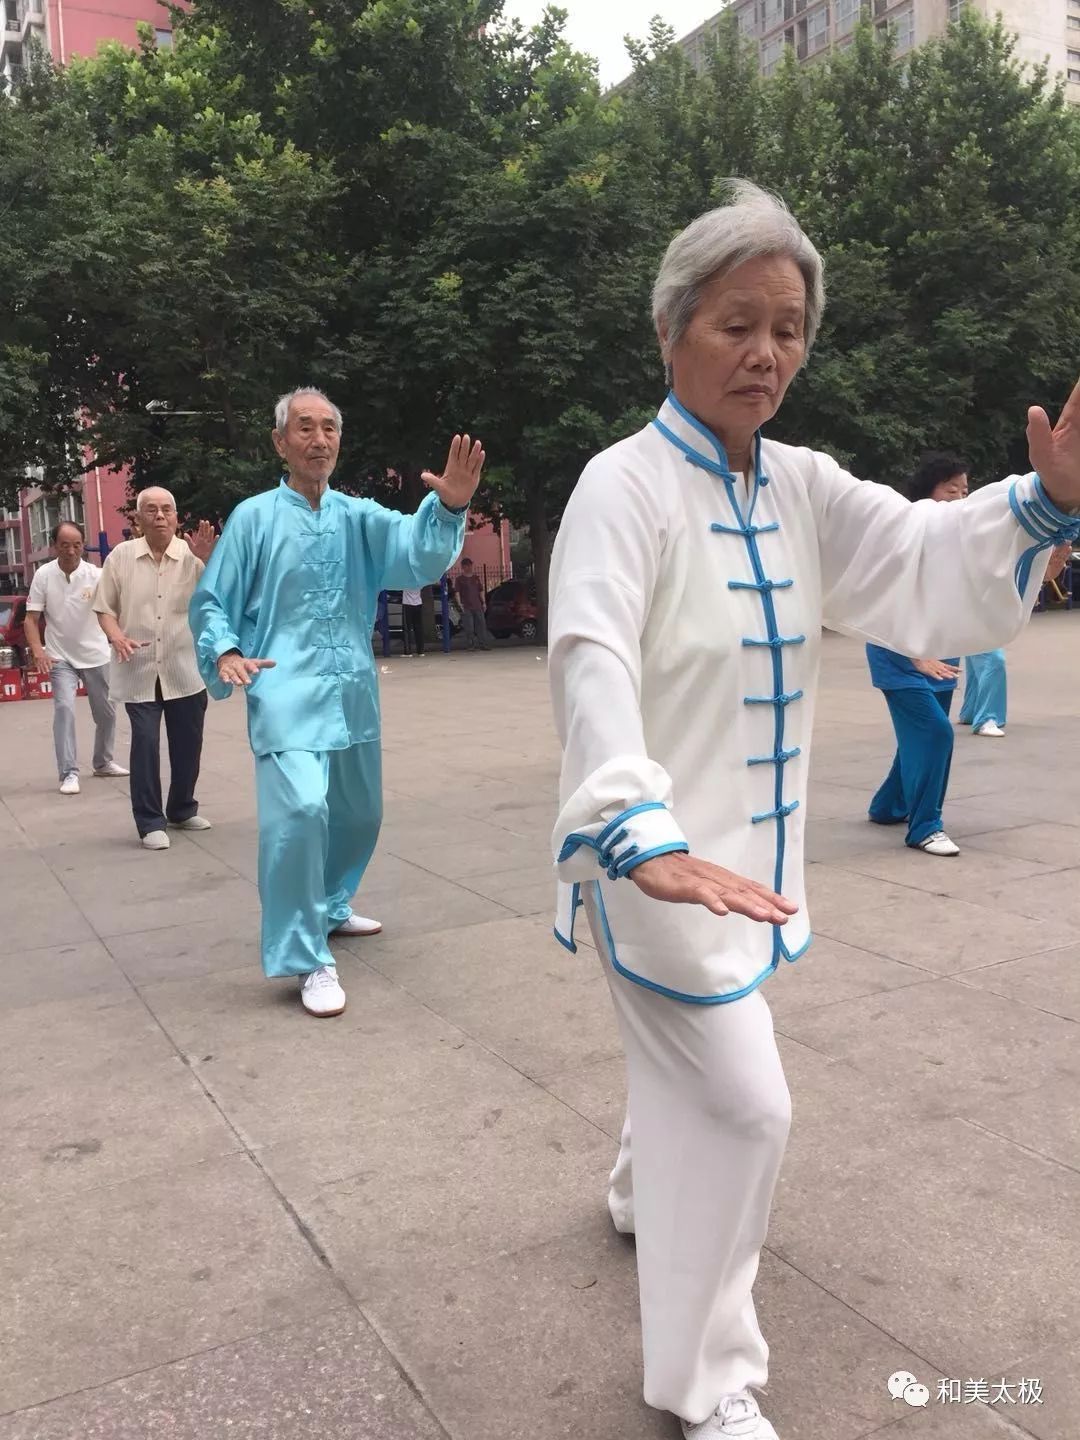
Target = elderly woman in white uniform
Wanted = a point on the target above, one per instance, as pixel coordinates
(694, 568)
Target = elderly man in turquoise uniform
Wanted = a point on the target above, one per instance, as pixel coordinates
(286, 609)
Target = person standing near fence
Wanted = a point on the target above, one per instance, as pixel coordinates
(63, 591)
(470, 593)
(412, 621)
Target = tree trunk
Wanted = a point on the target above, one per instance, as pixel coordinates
(540, 542)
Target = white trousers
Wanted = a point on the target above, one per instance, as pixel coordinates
(709, 1109)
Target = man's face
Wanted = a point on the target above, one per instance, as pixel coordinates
(310, 442)
(69, 548)
(157, 515)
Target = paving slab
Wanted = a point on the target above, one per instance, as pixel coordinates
(328, 1377)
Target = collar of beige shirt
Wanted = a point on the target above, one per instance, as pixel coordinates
(174, 550)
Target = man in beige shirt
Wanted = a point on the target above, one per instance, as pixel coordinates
(142, 606)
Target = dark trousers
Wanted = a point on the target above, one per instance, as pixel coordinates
(914, 789)
(413, 627)
(184, 729)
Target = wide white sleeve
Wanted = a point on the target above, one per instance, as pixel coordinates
(615, 800)
(931, 578)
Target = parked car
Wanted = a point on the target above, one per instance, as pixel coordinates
(12, 621)
(512, 610)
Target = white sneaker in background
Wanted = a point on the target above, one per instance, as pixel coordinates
(196, 822)
(939, 844)
(110, 770)
(321, 992)
(69, 785)
(357, 925)
(155, 840)
(991, 728)
(737, 1417)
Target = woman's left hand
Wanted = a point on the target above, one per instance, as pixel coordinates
(1055, 452)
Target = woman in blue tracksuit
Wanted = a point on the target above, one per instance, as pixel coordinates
(919, 695)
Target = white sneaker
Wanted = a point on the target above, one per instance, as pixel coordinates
(322, 993)
(939, 844)
(196, 822)
(736, 1415)
(991, 728)
(357, 925)
(111, 769)
(69, 785)
(155, 840)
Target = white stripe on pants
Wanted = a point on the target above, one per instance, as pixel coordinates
(710, 1111)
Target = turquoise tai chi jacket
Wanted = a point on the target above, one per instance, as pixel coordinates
(300, 587)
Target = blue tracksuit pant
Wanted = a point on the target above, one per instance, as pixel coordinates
(914, 789)
(985, 689)
(319, 819)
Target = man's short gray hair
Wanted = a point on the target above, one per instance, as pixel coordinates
(281, 409)
(753, 224)
(168, 493)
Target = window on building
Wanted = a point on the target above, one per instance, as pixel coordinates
(164, 39)
(817, 29)
(903, 29)
(47, 511)
(11, 546)
(747, 21)
(847, 15)
(771, 53)
(955, 9)
(771, 13)
(1073, 22)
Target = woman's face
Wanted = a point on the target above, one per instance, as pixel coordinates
(732, 365)
(955, 488)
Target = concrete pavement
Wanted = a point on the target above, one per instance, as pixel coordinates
(219, 1217)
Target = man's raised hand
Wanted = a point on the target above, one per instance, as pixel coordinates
(457, 484)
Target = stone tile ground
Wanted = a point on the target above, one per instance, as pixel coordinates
(219, 1218)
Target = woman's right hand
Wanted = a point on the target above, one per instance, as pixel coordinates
(685, 880)
(936, 669)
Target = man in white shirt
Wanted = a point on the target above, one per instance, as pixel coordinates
(63, 591)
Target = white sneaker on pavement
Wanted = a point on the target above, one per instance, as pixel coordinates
(69, 785)
(155, 840)
(737, 1417)
(939, 844)
(991, 728)
(196, 822)
(357, 925)
(321, 992)
(109, 770)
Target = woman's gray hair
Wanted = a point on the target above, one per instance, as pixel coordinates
(281, 409)
(753, 224)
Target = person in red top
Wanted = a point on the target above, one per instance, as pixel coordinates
(470, 593)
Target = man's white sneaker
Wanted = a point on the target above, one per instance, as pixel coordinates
(196, 822)
(322, 993)
(106, 772)
(991, 728)
(737, 1417)
(357, 925)
(155, 840)
(69, 785)
(939, 844)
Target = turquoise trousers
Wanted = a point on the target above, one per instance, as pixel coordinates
(985, 689)
(319, 819)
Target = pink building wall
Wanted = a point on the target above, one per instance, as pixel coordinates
(77, 27)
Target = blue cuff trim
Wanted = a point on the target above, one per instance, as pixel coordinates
(632, 861)
(1040, 518)
(609, 829)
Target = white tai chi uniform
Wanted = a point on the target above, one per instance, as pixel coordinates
(686, 614)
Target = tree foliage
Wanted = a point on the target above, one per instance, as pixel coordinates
(440, 218)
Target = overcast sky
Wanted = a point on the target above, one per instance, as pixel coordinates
(598, 26)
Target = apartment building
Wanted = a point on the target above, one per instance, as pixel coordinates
(1047, 31)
